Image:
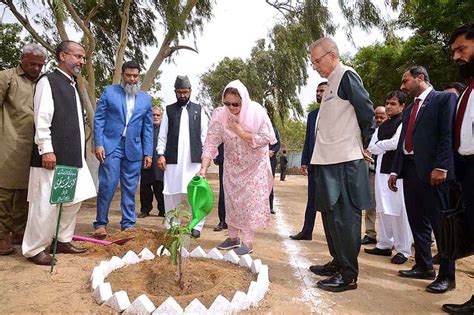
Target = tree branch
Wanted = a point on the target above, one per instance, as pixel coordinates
(59, 22)
(26, 24)
(122, 42)
(178, 47)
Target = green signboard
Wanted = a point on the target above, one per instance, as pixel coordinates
(64, 184)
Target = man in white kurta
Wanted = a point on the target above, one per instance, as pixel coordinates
(43, 216)
(179, 167)
(394, 229)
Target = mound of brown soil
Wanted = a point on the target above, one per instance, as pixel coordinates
(142, 238)
(204, 279)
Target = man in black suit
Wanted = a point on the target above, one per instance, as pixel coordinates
(272, 151)
(462, 46)
(424, 159)
(308, 170)
(151, 180)
(219, 161)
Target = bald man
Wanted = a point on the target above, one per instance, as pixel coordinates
(370, 214)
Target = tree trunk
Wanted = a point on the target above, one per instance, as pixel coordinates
(123, 41)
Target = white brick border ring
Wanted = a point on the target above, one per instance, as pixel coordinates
(119, 302)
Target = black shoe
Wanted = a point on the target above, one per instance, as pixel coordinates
(272, 211)
(466, 308)
(336, 283)
(301, 237)
(436, 259)
(368, 240)
(398, 259)
(195, 233)
(379, 252)
(415, 273)
(441, 285)
(221, 226)
(143, 215)
(327, 270)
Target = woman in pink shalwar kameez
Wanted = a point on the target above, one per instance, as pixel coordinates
(246, 131)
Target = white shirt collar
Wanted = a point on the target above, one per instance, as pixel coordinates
(425, 93)
(67, 75)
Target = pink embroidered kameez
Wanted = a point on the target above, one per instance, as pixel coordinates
(247, 176)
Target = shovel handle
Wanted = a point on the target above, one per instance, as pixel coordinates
(90, 240)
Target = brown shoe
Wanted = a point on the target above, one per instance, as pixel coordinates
(6, 247)
(16, 239)
(100, 233)
(68, 248)
(43, 259)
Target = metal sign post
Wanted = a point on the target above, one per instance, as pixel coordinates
(62, 191)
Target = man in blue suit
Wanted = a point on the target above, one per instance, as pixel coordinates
(123, 131)
(424, 159)
(308, 170)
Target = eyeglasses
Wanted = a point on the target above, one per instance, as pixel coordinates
(80, 57)
(182, 92)
(157, 115)
(318, 60)
(236, 104)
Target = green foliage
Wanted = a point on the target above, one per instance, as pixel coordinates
(312, 106)
(11, 44)
(381, 65)
(177, 236)
(436, 19)
(292, 133)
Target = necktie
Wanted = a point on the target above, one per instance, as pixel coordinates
(411, 126)
(460, 116)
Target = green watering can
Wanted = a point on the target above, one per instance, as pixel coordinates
(201, 199)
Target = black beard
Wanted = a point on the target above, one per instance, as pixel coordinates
(466, 70)
(319, 99)
(182, 101)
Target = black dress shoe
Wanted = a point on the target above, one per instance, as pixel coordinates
(42, 259)
(301, 237)
(221, 226)
(143, 215)
(441, 285)
(195, 233)
(379, 252)
(368, 240)
(67, 248)
(398, 259)
(415, 273)
(336, 283)
(327, 270)
(466, 308)
(272, 211)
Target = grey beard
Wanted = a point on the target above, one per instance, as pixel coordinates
(131, 89)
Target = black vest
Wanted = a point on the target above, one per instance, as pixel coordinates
(386, 131)
(174, 116)
(65, 132)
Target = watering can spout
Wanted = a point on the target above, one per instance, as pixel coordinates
(201, 199)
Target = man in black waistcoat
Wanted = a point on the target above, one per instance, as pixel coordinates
(151, 181)
(59, 140)
(182, 134)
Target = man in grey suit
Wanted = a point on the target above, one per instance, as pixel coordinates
(341, 174)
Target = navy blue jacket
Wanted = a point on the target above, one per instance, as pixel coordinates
(432, 136)
(310, 138)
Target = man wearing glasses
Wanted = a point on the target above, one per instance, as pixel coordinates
(344, 126)
(182, 133)
(59, 140)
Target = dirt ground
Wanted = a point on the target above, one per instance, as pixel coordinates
(27, 288)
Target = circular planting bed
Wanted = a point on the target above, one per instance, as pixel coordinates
(147, 283)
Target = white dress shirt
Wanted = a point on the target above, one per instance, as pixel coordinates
(467, 128)
(130, 102)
